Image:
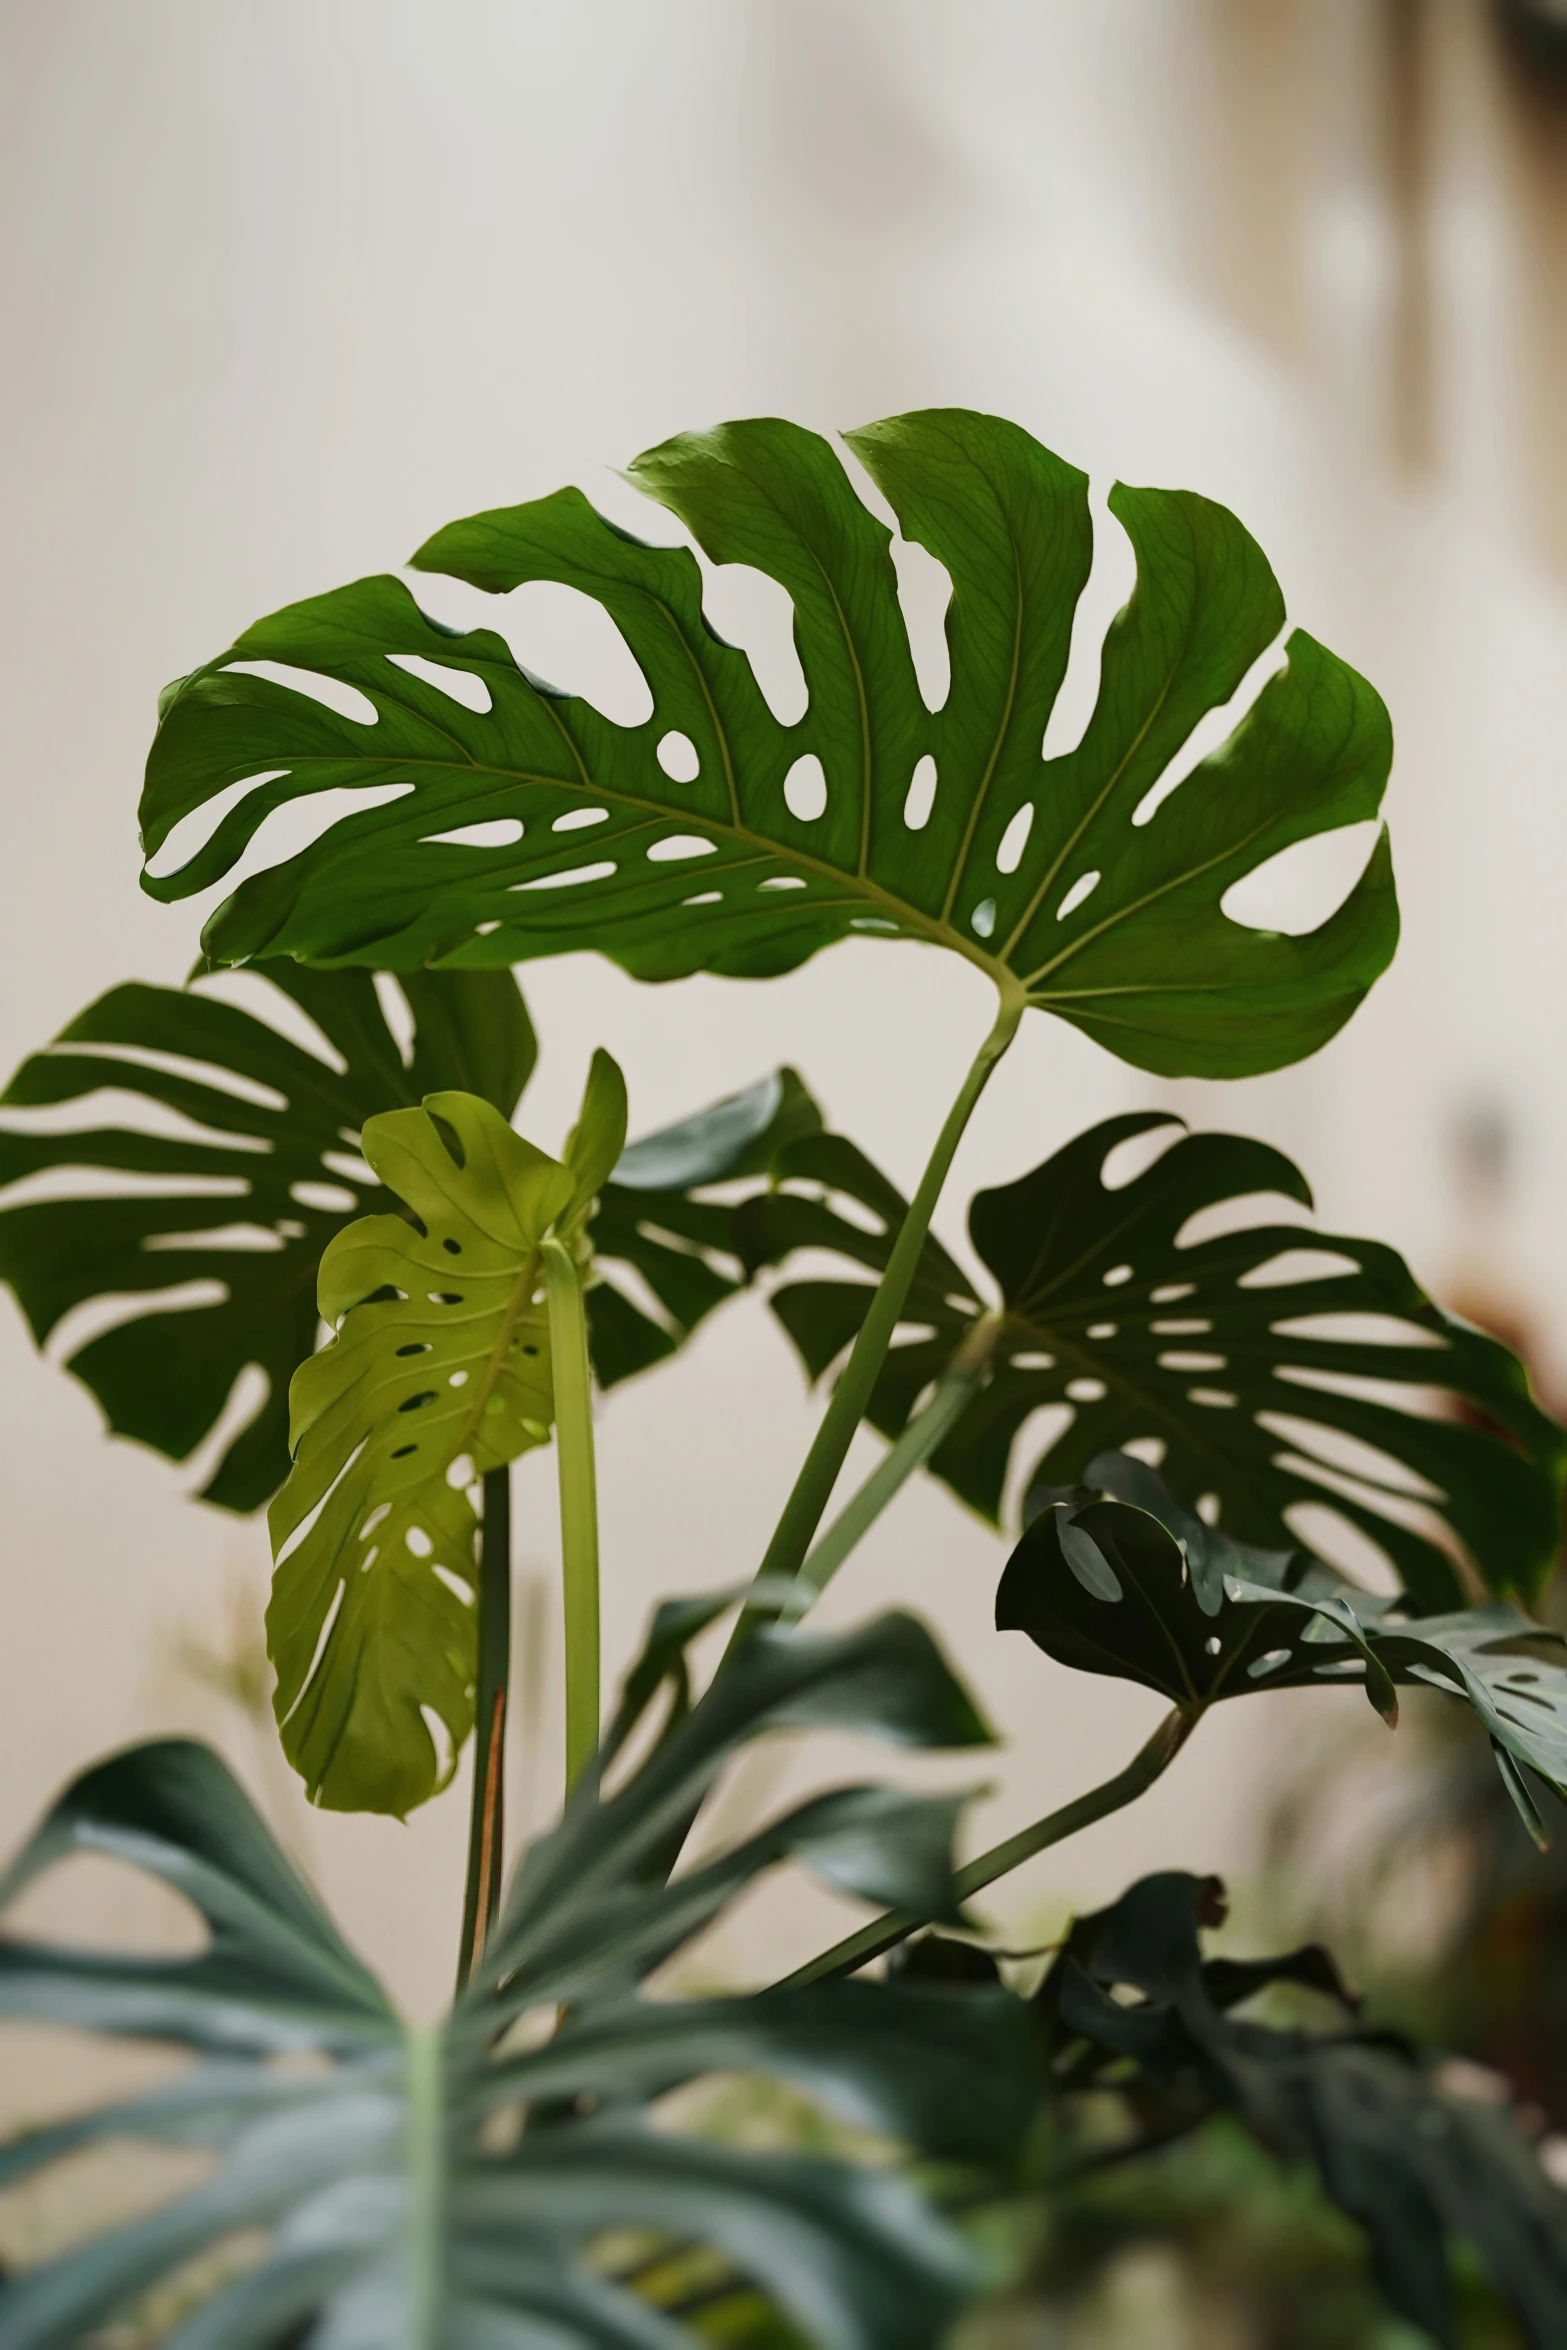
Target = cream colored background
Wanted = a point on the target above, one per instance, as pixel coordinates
(287, 284)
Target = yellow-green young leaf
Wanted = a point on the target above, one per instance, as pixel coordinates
(594, 1145)
(439, 1370)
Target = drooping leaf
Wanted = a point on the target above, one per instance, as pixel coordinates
(1120, 1580)
(462, 2186)
(244, 1196)
(1132, 2008)
(438, 1371)
(513, 821)
(653, 1218)
(1270, 1365)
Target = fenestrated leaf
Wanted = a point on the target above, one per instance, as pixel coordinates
(438, 1372)
(1063, 879)
(263, 1172)
(1183, 1609)
(1417, 2167)
(1247, 1359)
(653, 1218)
(456, 2186)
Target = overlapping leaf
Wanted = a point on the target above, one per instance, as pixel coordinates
(438, 1371)
(1132, 2007)
(262, 1171)
(1118, 1579)
(514, 821)
(1268, 1366)
(458, 2186)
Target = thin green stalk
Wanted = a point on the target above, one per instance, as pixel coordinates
(1082, 1812)
(579, 1521)
(487, 1821)
(955, 1390)
(819, 1472)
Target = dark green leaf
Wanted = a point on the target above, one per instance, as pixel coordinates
(1114, 924)
(1415, 2166)
(1199, 1617)
(265, 1171)
(1267, 1367)
(450, 2185)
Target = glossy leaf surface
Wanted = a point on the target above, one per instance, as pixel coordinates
(451, 2186)
(1268, 1366)
(438, 1371)
(1133, 2009)
(260, 1171)
(1120, 1580)
(515, 821)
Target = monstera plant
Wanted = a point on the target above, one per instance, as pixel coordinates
(347, 1272)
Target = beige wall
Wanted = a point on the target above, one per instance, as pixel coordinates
(286, 285)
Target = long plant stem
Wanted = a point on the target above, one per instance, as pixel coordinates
(486, 1827)
(1082, 1812)
(819, 1472)
(579, 1523)
(959, 1383)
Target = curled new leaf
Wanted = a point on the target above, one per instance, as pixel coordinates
(461, 2184)
(512, 821)
(1265, 1367)
(1118, 1579)
(438, 1371)
(259, 1167)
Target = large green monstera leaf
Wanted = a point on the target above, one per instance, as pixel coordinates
(514, 821)
(1116, 1578)
(477, 2182)
(243, 1196)
(265, 1168)
(1265, 1367)
(438, 1371)
(1136, 2017)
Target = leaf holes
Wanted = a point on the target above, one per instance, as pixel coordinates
(416, 1403)
(1195, 1326)
(1296, 1264)
(190, 835)
(1212, 731)
(573, 639)
(382, 1510)
(805, 789)
(453, 1248)
(334, 693)
(419, 1542)
(677, 755)
(1086, 1390)
(873, 922)
(573, 879)
(1179, 1361)
(677, 847)
(782, 881)
(1033, 1361)
(1305, 884)
(1082, 888)
(460, 1472)
(924, 592)
(705, 897)
(1208, 1508)
(458, 685)
(445, 1297)
(1261, 1666)
(415, 1346)
(756, 613)
(405, 1452)
(983, 919)
(330, 1199)
(1170, 1293)
(921, 795)
(1150, 1449)
(1131, 1158)
(497, 832)
(1009, 856)
(459, 1590)
(579, 819)
(1213, 1645)
(486, 929)
(1215, 1399)
(458, 1379)
(1117, 1275)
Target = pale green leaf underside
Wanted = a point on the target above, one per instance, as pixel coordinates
(439, 1370)
(1107, 913)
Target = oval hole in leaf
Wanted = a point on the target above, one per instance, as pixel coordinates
(329, 1198)
(1296, 1264)
(1261, 1666)
(1088, 1562)
(497, 832)
(805, 789)
(1151, 1449)
(1138, 1153)
(579, 819)
(1299, 889)
(1009, 856)
(332, 692)
(677, 755)
(1082, 888)
(560, 633)
(570, 880)
(921, 796)
(678, 846)
(983, 919)
(925, 591)
(458, 685)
